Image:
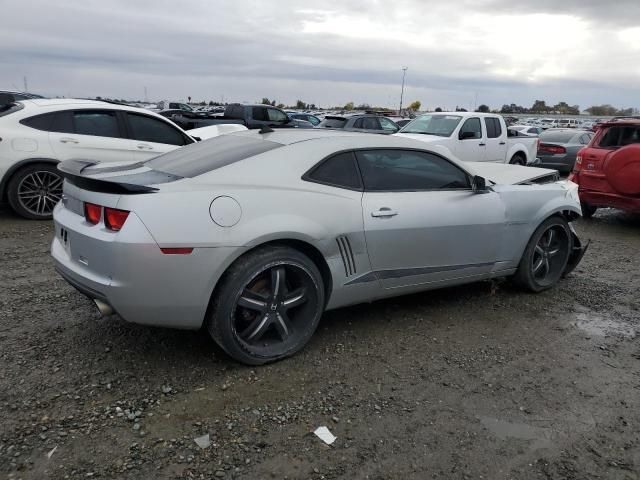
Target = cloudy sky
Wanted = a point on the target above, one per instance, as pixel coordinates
(326, 52)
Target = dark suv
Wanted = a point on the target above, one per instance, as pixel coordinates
(360, 123)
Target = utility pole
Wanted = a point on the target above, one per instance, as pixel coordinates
(26, 90)
(404, 73)
(146, 99)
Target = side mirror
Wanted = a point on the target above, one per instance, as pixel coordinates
(479, 184)
(467, 135)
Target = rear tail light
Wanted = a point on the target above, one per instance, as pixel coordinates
(554, 149)
(114, 219)
(578, 165)
(92, 213)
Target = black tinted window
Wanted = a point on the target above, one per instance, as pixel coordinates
(494, 129)
(620, 136)
(39, 122)
(408, 170)
(259, 113)
(97, 123)
(333, 122)
(471, 125)
(147, 129)
(339, 170)
(370, 123)
(202, 157)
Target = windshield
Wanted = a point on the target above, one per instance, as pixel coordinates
(440, 125)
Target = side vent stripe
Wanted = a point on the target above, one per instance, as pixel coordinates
(346, 252)
(344, 261)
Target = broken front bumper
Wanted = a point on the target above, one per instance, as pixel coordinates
(578, 252)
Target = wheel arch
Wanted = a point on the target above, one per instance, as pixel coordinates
(303, 246)
(16, 167)
(518, 150)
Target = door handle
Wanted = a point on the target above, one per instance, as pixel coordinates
(503, 143)
(482, 144)
(68, 140)
(384, 212)
(142, 146)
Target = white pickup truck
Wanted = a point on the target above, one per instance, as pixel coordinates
(474, 137)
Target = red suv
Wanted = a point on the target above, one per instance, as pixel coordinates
(608, 169)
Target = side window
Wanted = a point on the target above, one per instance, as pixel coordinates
(259, 113)
(60, 122)
(408, 170)
(471, 129)
(339, 171)
(494, 129)
(359, 123)
(314, 120)
(276, 115)
(370, 123)
(388, 125)
(99, 123)
(147, 129)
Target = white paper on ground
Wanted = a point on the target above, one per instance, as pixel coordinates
(52, 452)
(325, 435)
(203, 441)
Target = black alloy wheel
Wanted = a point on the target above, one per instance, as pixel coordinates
(268, 306)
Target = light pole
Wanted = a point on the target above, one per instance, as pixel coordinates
(404, 73)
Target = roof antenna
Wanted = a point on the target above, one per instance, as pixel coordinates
(266, 129)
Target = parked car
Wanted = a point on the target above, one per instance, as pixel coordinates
(559, 148)
(37, 134)
(312, 119)
(527, 130)
(251, 116)
(608, 169)
(403, 122)
(360, 123)
(569, 123)
(17, 96)
(253, 235)
(473, 137)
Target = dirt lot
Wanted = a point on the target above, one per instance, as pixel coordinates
(481, 381)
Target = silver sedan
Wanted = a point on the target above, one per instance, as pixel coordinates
(255, 234)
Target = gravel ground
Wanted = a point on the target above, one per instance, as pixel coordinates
(481, 381)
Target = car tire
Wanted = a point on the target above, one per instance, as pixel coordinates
(34, 191)
(588, 211)
(518, 159)
(545, 258)
(267, 305)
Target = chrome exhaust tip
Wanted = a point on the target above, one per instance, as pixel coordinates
(104, 308)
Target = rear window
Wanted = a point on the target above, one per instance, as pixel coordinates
(622, 136)
(333, 122)
(556, 137)
(203, 157)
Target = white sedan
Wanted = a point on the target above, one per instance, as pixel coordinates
(38, 134)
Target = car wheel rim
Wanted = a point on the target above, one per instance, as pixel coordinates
(39, 192)
(550, 255)
(274, 310)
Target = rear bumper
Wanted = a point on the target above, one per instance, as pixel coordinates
(611, 200)
(128, 271)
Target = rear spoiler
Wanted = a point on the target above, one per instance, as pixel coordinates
(72, 172)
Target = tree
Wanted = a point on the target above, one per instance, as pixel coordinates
(539, 106)
(460, 109)
(415, 106)
(189, 99)
(349, 106)
(483, 108)
(438, 109)
(281, 105)
(602, 110)
(273, 103)
(300, 105)
(266, 101)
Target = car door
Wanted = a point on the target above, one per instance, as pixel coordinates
(152, 136)
(471, 145)
(496, 144)
(388, 126)
(423, 223)
(92, 134)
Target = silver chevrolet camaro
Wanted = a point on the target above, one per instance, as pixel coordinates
(255, 234)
